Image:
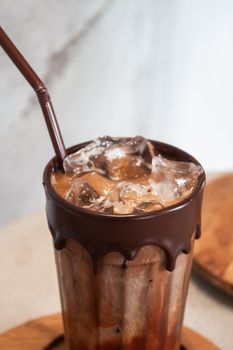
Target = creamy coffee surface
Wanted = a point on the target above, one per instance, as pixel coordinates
(124, 176)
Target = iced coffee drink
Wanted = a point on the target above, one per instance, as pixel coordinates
(124, 216)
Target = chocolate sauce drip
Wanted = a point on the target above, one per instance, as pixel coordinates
(170, 228)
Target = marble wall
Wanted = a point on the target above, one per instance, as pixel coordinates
(159, 68)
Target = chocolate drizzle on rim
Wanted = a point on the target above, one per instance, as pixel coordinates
(170, 228)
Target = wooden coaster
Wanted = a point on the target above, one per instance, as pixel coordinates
(213, 255)
(46, 334)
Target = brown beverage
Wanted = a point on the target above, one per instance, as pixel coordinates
(124, 217)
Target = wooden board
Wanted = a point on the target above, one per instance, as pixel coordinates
(213, 256)
(45, 334)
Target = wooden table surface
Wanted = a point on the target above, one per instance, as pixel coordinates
(29, 285)
(213, 256)
(45, 333)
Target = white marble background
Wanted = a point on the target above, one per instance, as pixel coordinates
(159, 68)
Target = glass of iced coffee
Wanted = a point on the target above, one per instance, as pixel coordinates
(124, 217)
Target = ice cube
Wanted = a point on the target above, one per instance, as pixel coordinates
(173, 179)
(125, 176)
(139, 196)
(82, 194)
(116, 158)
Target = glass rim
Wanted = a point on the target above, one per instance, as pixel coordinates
(52, 166)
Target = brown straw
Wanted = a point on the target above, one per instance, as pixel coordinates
(42, 94)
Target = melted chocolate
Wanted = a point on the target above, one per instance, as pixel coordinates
(170, 228)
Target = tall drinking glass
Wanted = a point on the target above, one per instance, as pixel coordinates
(124, 278)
